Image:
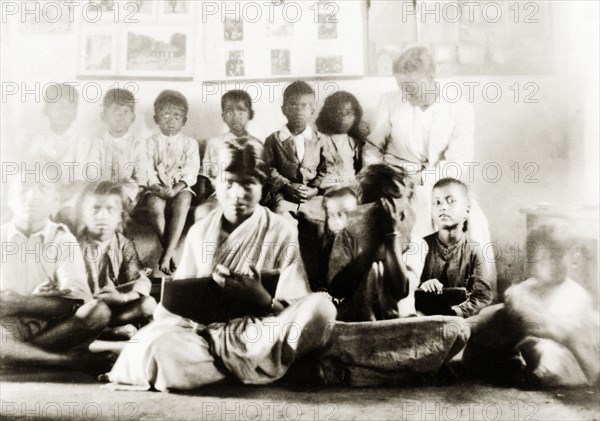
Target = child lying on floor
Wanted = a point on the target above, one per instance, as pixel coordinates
(111, 260)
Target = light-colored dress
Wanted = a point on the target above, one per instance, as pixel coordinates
(176, 353)
(344, 151)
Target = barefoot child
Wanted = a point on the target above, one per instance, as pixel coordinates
(174, 163)
(114, 272)
(339, 125)
(46, 305)
(452, 260)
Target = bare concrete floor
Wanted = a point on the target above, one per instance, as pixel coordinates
(72, 395)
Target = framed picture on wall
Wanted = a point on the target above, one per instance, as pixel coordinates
(160, 52)
(98, 53)
(143, 44)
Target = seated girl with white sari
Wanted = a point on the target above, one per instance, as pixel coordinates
(233, 244)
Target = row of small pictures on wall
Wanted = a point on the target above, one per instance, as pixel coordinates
(166, 52)
(281, 64)
(326, 28)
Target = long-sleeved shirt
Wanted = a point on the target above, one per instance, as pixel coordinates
(286, 166)
(172, 159)
(460, 265)
(122, 159)
(50, 255)
(415, 139)
(113, 263)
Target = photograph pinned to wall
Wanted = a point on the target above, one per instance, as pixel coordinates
(329, 65)
(98, 55)
(394, 30)
(235, 66)
(179, 9)
(280, 62)
(162, 52)
(233, 29)
(327, 26)
(55, 21)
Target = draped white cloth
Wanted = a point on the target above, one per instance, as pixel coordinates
(170, 354)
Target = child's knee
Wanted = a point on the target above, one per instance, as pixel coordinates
(183, 199)
(94, 315)
(147, 306)
(323, 308)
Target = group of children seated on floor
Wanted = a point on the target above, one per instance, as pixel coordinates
(313, 180)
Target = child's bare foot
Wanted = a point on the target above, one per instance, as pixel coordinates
(166, 264)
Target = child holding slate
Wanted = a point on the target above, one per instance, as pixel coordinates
(452, 261)
(115, 274)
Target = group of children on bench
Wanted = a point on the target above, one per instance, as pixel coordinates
(94, 285)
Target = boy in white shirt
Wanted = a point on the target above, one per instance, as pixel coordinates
(47, 307)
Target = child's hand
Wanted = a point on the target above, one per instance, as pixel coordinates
(157, 189)
(392, 216)
(433, 286)
(175, 190)
(311, 192)
(111, 296)
(295, 192)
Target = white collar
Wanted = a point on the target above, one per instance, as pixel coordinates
(127, 135)
(175, 136)
(285, 133)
